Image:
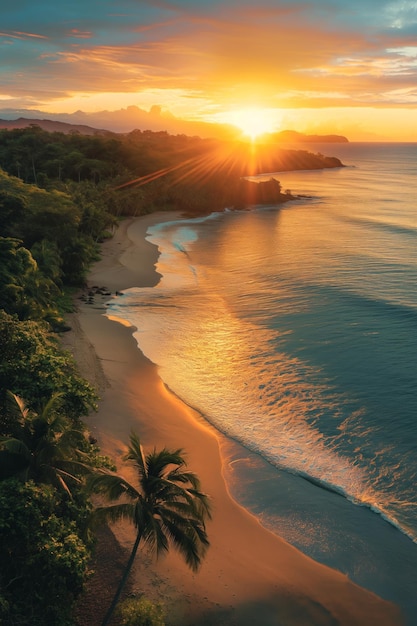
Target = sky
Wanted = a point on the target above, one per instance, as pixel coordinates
(322, 66)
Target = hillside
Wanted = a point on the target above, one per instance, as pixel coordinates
(292, 136)
(51, 126)
(145, 171)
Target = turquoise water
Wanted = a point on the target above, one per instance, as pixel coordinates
(293, 330)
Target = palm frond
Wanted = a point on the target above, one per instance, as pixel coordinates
(51, 408)
(15, 446)
(47, 474)
(202, 503)
(112, 514)
(158, 462)
(187, 541)
(76, 468)
(18, 403)
(181, 517)
(184, 477)
(196, 501)
(189, 510)
(17, 408)
(63, 484)
(111, 485)
(136, 454)
(153, 535)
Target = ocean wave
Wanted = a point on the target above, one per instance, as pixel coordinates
(378, 223)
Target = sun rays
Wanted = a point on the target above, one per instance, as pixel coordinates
(228, 159)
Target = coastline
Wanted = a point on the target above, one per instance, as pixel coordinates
(249, 575)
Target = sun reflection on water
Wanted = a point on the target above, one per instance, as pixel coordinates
(203, 326)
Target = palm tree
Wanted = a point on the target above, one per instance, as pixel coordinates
(44, 448)
(167, 506)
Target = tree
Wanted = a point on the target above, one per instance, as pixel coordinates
(77, 257)
(45, 448)
(43, 559)
(52, 215)
(13, 210)
(166, 507)
(20, 280)
(47, 256)
(34, 367)
(95, 220)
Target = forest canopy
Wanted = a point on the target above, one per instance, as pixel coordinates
(150, 170)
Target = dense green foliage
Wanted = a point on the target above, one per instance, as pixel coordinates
(141, 612)
(34, 367)
(45, 447)
(43, 557)
(183, 173)
(48, 238)
(45, 543)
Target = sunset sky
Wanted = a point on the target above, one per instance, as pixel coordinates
(322, 66)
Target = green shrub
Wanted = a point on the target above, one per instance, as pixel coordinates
(141, 612)
(43, 559)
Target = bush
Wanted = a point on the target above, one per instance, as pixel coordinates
(43, 559)
(34, 367)
(141, 612)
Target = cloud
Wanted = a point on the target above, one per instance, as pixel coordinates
(220, 53)
(20, 35)
(78, 34)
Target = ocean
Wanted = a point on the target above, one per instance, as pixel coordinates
(293, 330)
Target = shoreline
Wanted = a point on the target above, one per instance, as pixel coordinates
(248, 571)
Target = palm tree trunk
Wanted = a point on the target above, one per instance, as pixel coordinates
(122, 583)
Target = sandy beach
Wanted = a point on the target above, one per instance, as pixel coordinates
(249, 576)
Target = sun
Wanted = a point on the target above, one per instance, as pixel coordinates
(254, 122)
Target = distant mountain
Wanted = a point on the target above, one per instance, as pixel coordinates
(51, 126)
(121, 121)
(292, 136)
(133, 117)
